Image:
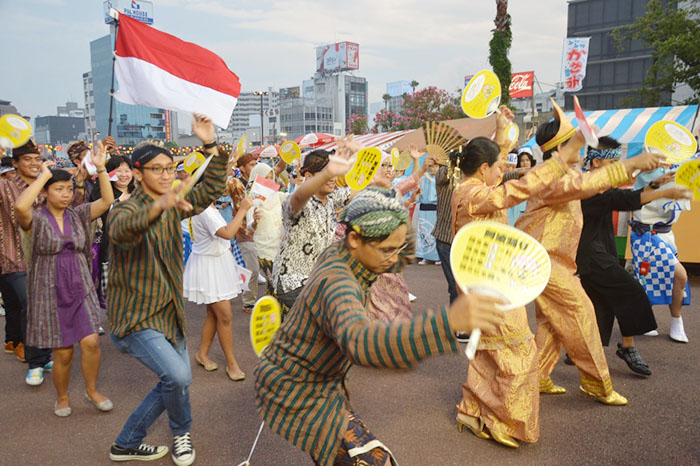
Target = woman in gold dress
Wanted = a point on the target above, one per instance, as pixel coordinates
(500, 397)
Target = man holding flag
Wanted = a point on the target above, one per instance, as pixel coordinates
(146, 307)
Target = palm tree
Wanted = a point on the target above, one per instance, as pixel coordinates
(414, 85)
(386, 98)
(499, 47)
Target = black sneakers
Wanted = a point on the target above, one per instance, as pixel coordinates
(183, 451)
(143, 452)
(633, 359)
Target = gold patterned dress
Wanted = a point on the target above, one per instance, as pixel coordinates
(502, 383)
(565, 314)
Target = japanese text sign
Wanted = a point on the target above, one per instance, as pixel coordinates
(575, 60)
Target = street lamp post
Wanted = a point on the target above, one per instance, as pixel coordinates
(262, 132)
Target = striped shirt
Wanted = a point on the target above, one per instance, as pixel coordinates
(300, 378)
(443, 225)
(144, 290)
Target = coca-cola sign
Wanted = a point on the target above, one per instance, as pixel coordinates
(521, 84)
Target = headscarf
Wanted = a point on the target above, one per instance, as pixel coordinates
(28, 148)
(144, 154)
(375, 213)
(261, 170)
(77, 148)
(601, 154)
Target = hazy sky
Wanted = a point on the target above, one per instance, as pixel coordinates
(270, 43)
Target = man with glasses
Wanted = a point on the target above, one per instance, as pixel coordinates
(144, 297)
(13, 270)
(300, 378)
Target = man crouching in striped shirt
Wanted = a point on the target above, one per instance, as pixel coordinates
(300, 378)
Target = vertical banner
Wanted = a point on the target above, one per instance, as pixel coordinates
(521, 84)
(168, 131)
(575, 60)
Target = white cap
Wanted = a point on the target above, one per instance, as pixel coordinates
(526, 150)
(512, 158)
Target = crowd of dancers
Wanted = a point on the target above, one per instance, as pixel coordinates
(135, 240)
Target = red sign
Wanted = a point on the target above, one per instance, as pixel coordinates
(521, 84)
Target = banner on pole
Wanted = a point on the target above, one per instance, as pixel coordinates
(575, 61)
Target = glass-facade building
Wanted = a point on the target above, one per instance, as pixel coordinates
(131, 123)
(613, 77)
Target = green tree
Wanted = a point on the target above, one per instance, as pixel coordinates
(673, 33)
(429, 104)
(386, 98)
(414, 85)
(499, 45)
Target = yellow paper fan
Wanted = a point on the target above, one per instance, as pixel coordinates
(440, 140)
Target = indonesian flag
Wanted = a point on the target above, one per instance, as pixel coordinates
(158, 70)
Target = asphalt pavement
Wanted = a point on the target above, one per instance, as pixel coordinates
(412, 412)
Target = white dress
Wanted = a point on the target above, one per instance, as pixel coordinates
(210, 274)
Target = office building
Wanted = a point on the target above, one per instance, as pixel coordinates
(326, 104)
(59, 129)
(89, 93)
(613, 77)
(247, 115)
(397, 90)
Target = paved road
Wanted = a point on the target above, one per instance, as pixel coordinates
(411, 411)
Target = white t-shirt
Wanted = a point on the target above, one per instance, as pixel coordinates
(203, 228)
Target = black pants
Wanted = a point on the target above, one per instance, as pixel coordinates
(443, 250)
(616, 294)
(13, 287)
(287, 299)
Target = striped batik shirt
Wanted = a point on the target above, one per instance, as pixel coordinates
(144, 289)
(443, 224)
(300, 378)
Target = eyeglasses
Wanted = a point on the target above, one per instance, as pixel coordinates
(387, 253)
(159, 170)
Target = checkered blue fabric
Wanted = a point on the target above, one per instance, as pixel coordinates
(658, 282)
(237, 253)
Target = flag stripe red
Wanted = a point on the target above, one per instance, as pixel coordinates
(185, 60)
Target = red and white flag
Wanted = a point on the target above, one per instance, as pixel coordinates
(159, 70)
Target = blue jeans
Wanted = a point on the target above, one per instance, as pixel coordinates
(171, 363)
(443, 250)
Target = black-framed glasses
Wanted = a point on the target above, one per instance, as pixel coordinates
(170, 169)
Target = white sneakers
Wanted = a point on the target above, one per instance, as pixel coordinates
(677, 332)
(35, 376)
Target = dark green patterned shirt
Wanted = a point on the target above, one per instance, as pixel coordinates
(300, 378)
(144, 290)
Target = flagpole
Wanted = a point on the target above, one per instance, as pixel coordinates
(114, 60)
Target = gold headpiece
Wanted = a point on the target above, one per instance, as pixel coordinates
(566, 129)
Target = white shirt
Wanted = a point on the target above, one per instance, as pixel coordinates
(203, 228)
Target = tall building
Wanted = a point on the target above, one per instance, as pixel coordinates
(89, 92)
(247, 115)
(612, 76)
(396, 90)
(301, 115)
(325, 106)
